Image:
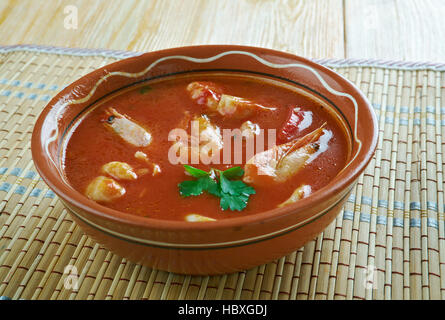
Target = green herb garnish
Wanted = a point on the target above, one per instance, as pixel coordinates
(195, 172)
(144, 89)
(233, 194)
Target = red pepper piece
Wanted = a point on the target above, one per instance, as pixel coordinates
(290, 128)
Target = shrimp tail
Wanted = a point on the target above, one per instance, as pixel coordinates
(281, 162)
(309, 139)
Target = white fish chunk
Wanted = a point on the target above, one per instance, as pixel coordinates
(203, 144)
(249, 129)
(104, 189)
(119, 170)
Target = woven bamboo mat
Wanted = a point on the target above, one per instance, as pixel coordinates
(387, 243)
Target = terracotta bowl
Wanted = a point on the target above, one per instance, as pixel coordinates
(232, 244)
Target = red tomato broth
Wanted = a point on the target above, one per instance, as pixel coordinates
(161, 109)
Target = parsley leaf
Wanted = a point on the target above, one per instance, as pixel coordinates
(195, 172)
(196, 187)
(233, 194)
(190, 188)
(233, 172)
(238, 202)
(234, 187)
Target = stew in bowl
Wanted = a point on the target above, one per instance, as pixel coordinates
(205, 159)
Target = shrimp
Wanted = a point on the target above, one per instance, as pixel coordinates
(281, 162)
(204, 143)
(301, 192)
(193, 217)
(127, 129)
(208, 133)
(104, 189)
(205, 93)
(119, 170)
(237, 107)
(249, 129)
(212, 97)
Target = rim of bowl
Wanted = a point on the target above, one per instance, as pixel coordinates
(338, 184)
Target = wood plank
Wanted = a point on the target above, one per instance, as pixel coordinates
(395, 29)
(308, 28)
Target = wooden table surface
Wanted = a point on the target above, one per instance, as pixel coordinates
(409, 30)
